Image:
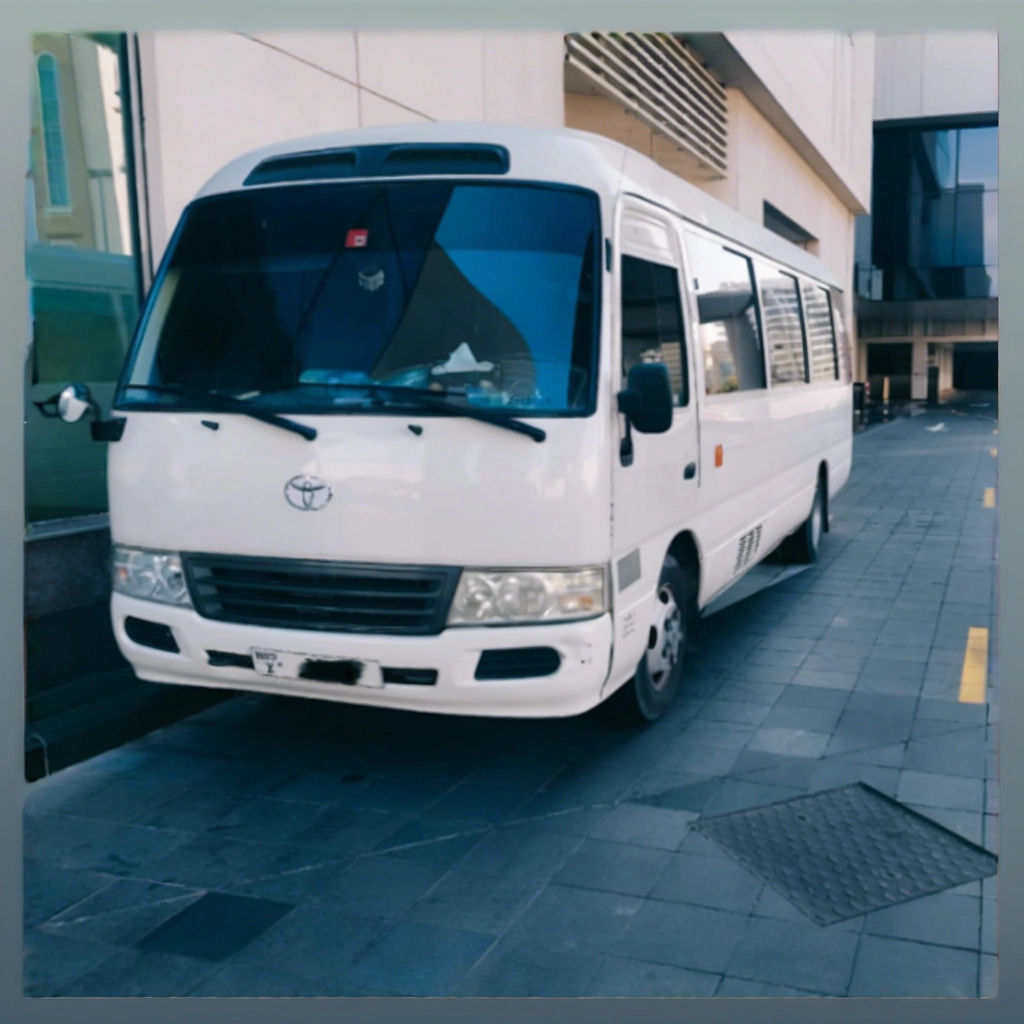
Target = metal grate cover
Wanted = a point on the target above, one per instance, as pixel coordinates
(845, 852)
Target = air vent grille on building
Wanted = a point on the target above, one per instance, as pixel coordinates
(662, 84)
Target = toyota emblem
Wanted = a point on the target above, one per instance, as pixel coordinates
(307, 493)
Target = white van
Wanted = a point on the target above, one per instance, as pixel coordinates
(462, 418)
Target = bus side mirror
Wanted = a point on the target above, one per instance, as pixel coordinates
(74, 402)
(648, 402)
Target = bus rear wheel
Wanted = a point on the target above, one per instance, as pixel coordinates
(801, 548)
(656, 681)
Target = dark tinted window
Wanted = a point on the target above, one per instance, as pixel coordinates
(652, 321)
(730, 335)
(487, 291)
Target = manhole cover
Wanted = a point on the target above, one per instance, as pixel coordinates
(845, 852)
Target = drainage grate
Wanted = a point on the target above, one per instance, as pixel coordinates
(845, 852)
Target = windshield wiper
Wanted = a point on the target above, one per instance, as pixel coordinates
(426, 398)
(229, 404)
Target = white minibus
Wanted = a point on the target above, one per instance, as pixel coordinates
(462, 418)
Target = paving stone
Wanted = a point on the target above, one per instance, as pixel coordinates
(988, 977)
(244, 981)
(774, 905)
(930, 790)
(384, 886)
(662, 828)
(133, 973)
(790, 742)
(428, 840)
(682, 935)
(948, 756)
(48, 889)
(989, 925)
(570, 919)
(796, 956)
(619, 977)
(613, 867)
(807, 719)
(52, 962)
(738, 712)
(894, 967)
(943, 919)
(526, 967)
(210, 862)
(418, 959)
(97, 846)
(964, 823)
(122, 913)
(214, 927)
(740, 795)
(716, 882)
(812, 697)
(698, 758)
(521, 851)
(742, 988)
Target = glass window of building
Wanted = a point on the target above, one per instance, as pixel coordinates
(783, 332)
(935, 212)
(53, 135)
(730, 333)
(821, 340)
(80, 262)
(652, 321)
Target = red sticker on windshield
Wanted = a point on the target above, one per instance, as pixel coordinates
(357, 238)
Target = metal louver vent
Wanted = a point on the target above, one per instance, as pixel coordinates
(661, 83)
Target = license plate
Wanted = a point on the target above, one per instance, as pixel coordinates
(342, 671)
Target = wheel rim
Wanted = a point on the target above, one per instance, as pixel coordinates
(816, 522)
(666, 643)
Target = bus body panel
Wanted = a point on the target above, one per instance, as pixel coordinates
(461, 493)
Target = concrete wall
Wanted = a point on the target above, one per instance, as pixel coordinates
(212, 96)
(936, 74)
(763, 167)
(824, 82)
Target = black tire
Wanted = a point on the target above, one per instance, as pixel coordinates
(801, 548)
(656, 681)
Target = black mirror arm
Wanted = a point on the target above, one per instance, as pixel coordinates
(628, 402)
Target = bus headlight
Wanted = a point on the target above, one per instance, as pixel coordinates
(150, 575)
(493, 597)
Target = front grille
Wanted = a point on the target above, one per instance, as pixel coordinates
(326, 596)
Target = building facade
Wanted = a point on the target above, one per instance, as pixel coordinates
(927, 256)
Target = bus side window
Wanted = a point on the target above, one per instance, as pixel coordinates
(652, 321)
(780, 312)
(821, 340)
(730, 333)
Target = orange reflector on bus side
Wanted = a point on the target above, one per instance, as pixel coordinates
(718, 455)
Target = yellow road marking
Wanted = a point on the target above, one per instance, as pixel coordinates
(990, 497)
(994, 452)
(974, 676)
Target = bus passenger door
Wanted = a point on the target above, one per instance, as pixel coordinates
(654, 489)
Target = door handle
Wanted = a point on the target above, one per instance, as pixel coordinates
(690, 472)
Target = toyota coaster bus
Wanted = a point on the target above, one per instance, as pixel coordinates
(462, 418)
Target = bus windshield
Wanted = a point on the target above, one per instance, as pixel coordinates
(291, 297)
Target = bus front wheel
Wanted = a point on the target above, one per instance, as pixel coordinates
(656, 681)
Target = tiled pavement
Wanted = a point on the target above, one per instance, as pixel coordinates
(317, 849)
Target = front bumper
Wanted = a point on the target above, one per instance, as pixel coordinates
(575, 687)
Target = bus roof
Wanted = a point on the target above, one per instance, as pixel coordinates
(561, 155)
